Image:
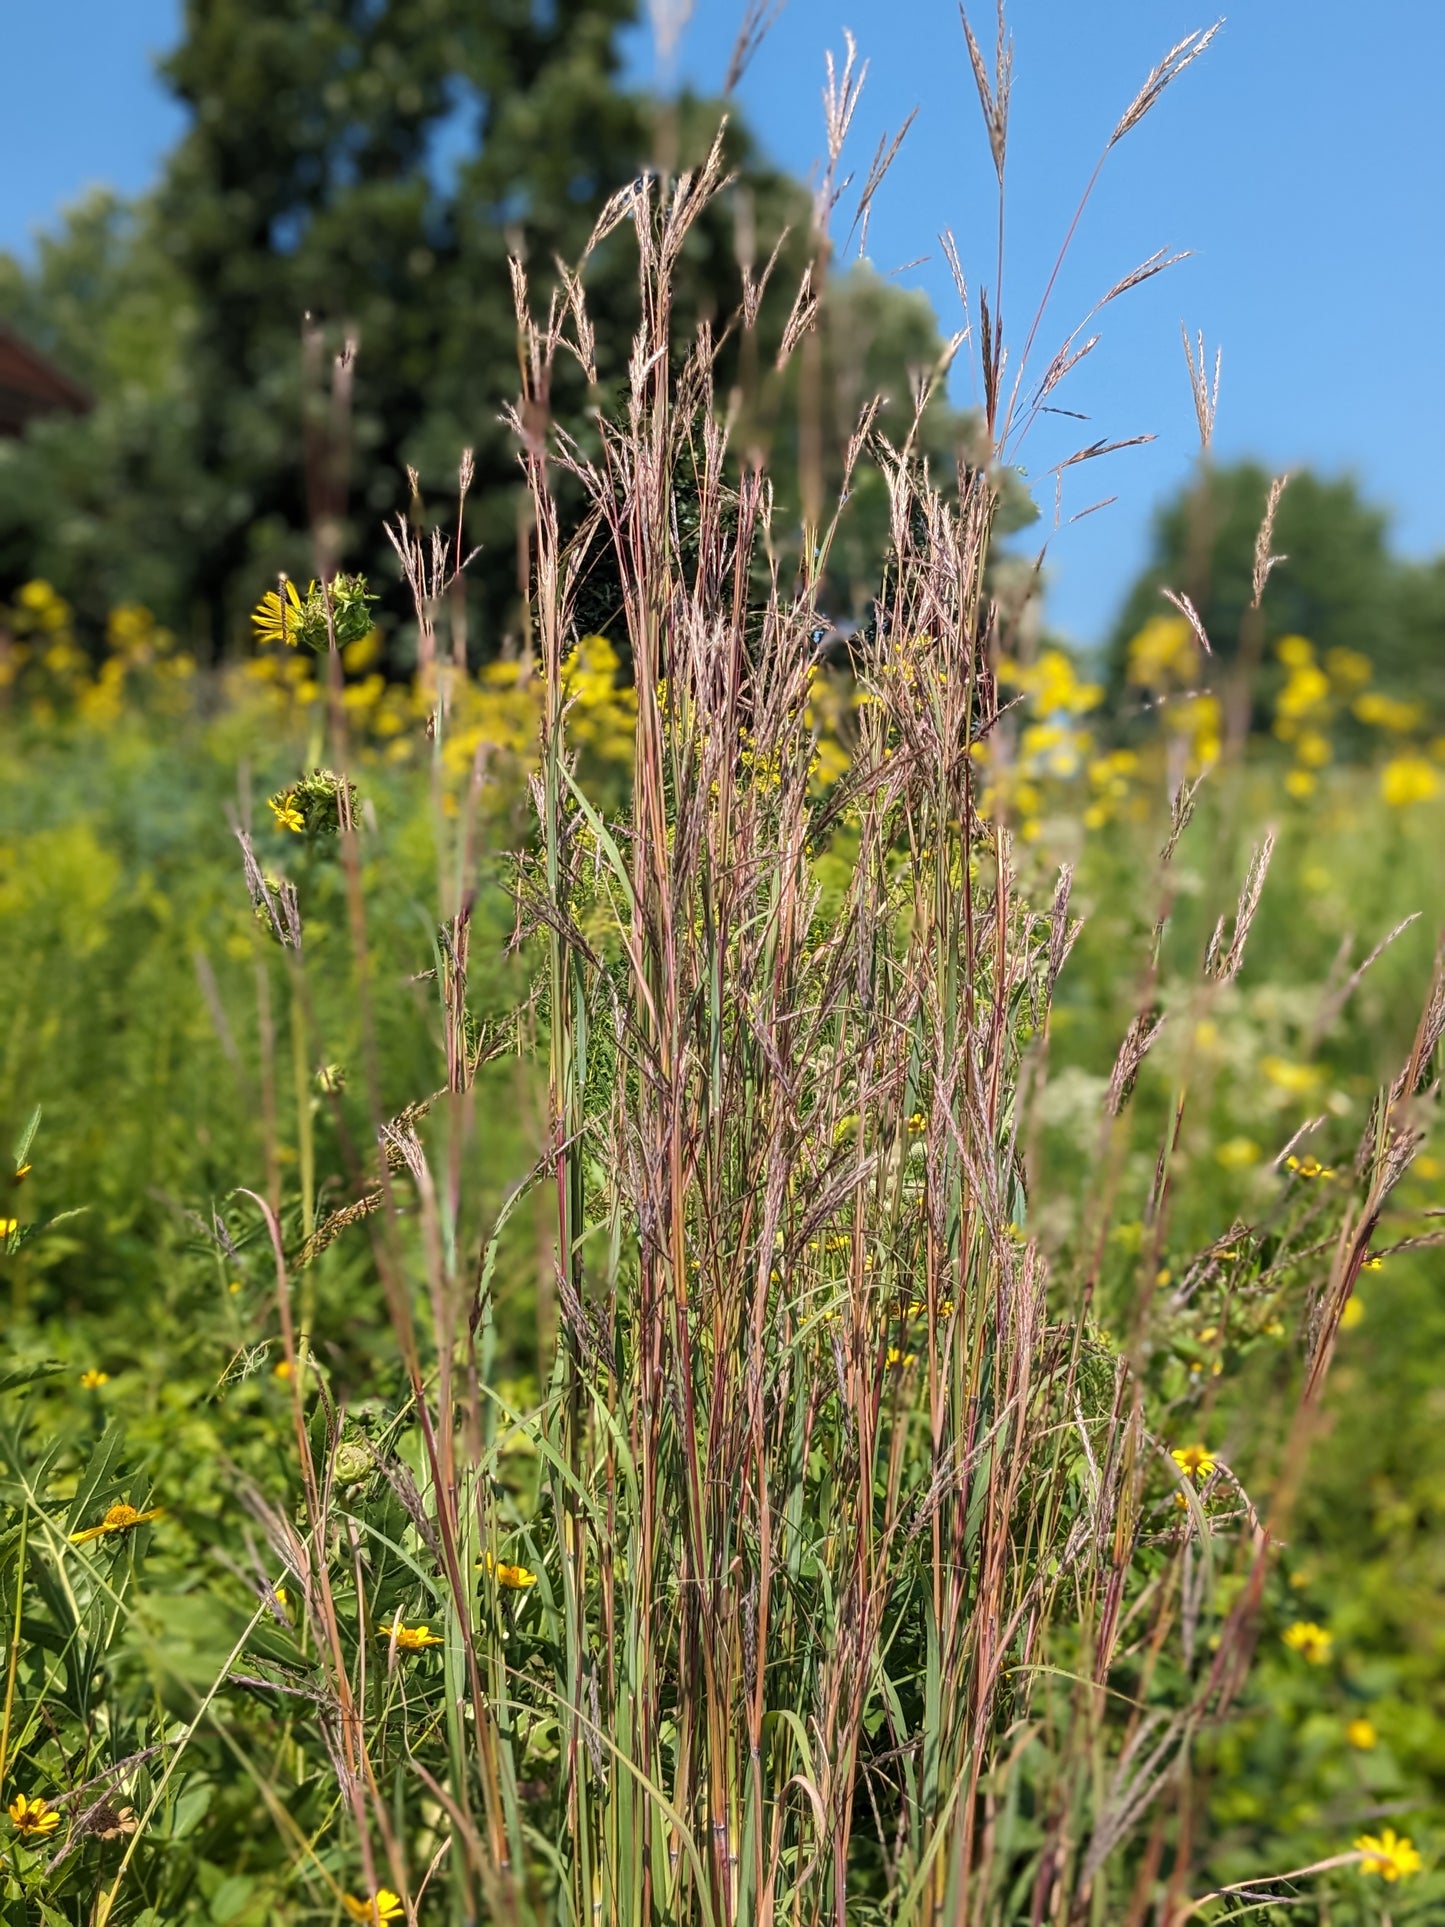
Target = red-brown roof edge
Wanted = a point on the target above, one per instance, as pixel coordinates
(31, 384)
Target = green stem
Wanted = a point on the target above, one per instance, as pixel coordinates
(14, 1656)
(305, 1143)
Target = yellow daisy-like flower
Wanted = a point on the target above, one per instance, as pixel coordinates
(512, 1578)
(288, 817)
(383, 1905)
(8, 1227)
(1361, 1735)
(274, 619)
(93, 1380)
(1389, 1854)
(901, 1358)
(1196, 1462)
(1309, 1168)
(1310, 1641)
(120, 1518)
(409, 1639)
(33, 1818)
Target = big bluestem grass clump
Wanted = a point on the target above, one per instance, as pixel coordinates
(848, 1564)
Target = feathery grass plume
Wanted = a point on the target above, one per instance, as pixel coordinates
(808, 1582)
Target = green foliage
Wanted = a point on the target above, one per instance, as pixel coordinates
(1339, 583)
(117, 871)
(1294, 1776)
(371, 167)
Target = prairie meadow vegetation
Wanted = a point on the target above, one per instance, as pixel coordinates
(723, 1273)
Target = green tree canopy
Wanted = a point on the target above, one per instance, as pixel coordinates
(1340, 584)
(371, 164)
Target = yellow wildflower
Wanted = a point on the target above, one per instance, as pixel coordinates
(1299, 783)
(288, 817)
(603, 710)
(120, 1518)
(1237, 1153)
(8, 1227)
(1348, 669)
(93, 1380)
(32, 1818)
(1309, 1168)
(1297, 1080)
(1196, 1462)
(410, 1639)
(1408, 779)
(897, 1357)
(1388, 1854)
(1199, 720)
(1307, 687)
(1373, 1263)
(274, 619)
(512, 1578)
(113, 1823)
(1388, 712)
(1310, 1641)
(282, 1369)
(1163, 652)
(383, 1905)
(1353, 1312)
(1362, 1736)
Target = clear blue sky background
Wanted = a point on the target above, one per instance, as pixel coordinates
(1300, 160)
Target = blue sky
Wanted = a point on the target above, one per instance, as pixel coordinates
(1295, 159)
